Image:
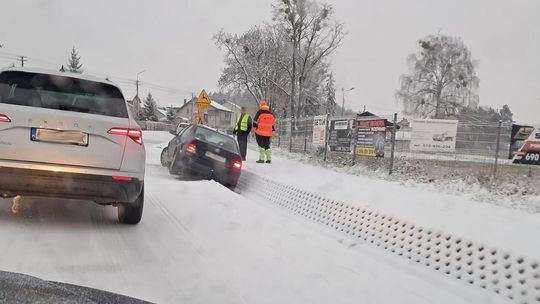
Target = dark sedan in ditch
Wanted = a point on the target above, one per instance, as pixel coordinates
(202, 152)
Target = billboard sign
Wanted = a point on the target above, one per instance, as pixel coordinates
(340, 134)
(434, 135)
(371, 137)
(529, 153)
(319, 130)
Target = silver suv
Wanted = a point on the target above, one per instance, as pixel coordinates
(72, 136)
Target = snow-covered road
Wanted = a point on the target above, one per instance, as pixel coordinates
(201, 243)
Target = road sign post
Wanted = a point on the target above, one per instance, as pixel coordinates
(203, 102)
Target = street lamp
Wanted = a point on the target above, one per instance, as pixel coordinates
(343, 91)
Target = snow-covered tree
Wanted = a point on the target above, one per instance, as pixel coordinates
(149, 110)
(283, 62)
(74, 62)
(330, 95)
(442, 80)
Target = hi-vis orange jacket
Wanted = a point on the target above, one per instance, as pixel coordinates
(264, 123)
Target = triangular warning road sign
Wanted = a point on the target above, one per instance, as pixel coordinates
(203, 99)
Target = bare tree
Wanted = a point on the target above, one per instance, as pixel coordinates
(313, 36)
(442, 79)
(284, 62)
(252, 61)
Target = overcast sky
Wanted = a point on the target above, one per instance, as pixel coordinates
(172, 41)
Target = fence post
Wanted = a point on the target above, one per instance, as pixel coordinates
(326, 135)
(279, 133)
(305, 135)
(353, 140)
(497, 148)
(394, 128)
(291, 134)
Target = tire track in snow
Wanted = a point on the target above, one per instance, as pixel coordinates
(187, 234)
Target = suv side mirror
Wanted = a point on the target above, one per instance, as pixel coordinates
(173, 132)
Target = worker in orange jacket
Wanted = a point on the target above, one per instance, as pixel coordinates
(263, 122)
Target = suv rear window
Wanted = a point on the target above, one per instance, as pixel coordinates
(215, 138)
(61, 93)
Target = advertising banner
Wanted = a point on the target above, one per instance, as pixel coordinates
(434, 135)
(529, 153)
(371, 137)
(341, 134)
(319, 131)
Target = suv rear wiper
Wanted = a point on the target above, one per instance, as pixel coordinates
(73, 108)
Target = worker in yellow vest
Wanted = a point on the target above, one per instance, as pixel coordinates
(242, 128)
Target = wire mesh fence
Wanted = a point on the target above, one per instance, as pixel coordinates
(481, 150)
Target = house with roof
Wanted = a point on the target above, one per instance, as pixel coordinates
(216, 116)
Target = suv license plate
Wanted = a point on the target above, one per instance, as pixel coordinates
(59, 136)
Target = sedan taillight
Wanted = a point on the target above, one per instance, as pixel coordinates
(237, 164)
(191, 148)
(134, 134)
(4, 118)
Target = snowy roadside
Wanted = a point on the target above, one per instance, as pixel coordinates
(505, 228)
(516, 191)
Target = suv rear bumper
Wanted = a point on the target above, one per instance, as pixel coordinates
(58, 184)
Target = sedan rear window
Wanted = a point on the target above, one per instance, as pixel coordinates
(61, 93)
(215, 138)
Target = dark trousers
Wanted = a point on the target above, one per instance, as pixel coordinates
(263, 141)
(242, 139)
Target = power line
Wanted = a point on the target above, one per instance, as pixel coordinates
(119, 79)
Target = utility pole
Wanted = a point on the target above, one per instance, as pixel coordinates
(343, 91)
(22, 59)
(137, 82)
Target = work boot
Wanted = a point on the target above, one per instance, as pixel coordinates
(261, 155)
(268, 155)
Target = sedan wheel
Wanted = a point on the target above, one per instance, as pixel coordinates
(164, 162)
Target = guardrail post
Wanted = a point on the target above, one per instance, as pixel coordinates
(497, 149)
(394, 128)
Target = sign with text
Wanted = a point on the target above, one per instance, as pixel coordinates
(319, 131)
(341, 134)
(434, 135)
(371, 137)
(529, 153)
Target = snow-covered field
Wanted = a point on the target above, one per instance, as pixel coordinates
(201, 243)
(515, 186)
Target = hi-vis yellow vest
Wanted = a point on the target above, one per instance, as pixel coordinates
(241, 125)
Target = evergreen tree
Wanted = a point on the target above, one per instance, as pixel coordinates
(171, 114)
(149, 109)
(506, 113)
(330, 95)
(74, 62)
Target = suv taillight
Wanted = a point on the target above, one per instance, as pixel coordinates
(134, 134)
(4, 118)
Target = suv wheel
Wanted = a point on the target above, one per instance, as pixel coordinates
(131, 213)
(164, 162)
